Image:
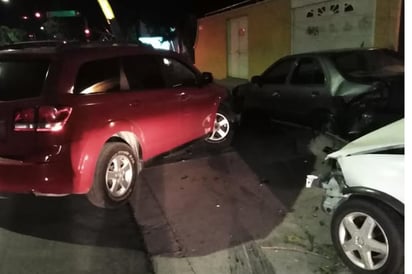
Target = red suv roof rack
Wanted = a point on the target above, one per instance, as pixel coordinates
(58, 44)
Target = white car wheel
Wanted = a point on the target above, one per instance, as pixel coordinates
(368, 236)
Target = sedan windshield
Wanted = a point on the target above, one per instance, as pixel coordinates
(364, 63)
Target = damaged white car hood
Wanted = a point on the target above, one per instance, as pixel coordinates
(388, 137)
(362, 165)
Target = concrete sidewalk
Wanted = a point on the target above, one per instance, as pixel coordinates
(214, 215)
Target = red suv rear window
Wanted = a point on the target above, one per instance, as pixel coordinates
(22, 79)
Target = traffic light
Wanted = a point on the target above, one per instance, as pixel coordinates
(87, 32)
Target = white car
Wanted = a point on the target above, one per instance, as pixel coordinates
(365, 193)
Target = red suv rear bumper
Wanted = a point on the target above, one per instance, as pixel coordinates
(44, 178)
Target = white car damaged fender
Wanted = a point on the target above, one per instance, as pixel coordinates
(364, 190)
(372, 165)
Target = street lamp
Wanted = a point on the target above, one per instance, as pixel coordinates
(37, 15)
(111, 19)
(5, 1)
(107, 9)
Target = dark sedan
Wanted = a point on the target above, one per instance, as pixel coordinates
(347, 92)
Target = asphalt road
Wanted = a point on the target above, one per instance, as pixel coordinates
(208, 210)
(197, 200)
(68, 235)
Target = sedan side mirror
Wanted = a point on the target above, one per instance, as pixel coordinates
(207, 78)
(257, 80)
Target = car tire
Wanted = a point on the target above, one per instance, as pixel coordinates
(368, 237)
(223, 129)
(115, 176)
(238, 101)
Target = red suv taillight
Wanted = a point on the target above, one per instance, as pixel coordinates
(44, 118)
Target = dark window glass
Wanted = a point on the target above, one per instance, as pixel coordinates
(177, 74)
(143, 72)
(364, 63)
(278, 73)
(308, 72)
(22, 79)
(98, 76)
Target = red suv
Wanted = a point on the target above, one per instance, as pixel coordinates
(84, 119)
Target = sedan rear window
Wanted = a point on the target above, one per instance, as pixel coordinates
(22, 79)
(366, 63)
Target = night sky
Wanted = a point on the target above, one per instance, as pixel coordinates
(125, 10)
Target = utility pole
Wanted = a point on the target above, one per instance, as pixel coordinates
(111, 19)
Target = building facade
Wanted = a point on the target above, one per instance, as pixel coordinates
(243, 41)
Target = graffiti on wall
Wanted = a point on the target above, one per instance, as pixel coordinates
(333, 24)
(364, 23)
(332, 9)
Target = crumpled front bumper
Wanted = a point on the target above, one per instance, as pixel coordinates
(333, 194)
(333, 184)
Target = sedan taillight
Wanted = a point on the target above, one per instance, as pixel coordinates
(44, 118)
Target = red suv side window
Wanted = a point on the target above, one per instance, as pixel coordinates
(177, 74)
(143, 72)
(98, 76)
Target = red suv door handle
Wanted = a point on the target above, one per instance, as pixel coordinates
(134, 103)
(183, 95)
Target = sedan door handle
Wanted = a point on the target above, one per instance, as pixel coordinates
(276, 93)
(315, 94)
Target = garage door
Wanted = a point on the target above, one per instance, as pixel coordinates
(333, 25)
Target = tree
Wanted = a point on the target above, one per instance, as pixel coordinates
(11, 35)
(53, 28)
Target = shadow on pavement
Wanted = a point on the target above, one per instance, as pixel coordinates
(195, 202)
(279, 155)
(197, 207)
(70, 219)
